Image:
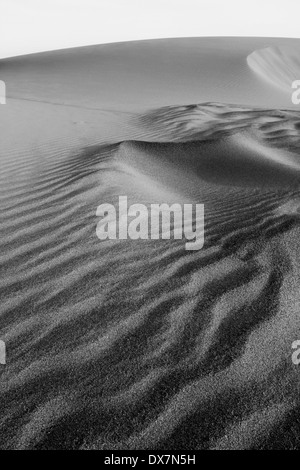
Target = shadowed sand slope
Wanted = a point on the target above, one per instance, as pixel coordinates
(233, 161)
(140, 344)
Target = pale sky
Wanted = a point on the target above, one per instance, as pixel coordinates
(39, 25)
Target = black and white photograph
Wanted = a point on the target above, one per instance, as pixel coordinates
(149, 227)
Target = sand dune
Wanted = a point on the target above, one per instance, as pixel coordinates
(151, 74)
(233, 161)
(139, 344)
(279, 65)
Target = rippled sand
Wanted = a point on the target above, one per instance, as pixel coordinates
(126, 344)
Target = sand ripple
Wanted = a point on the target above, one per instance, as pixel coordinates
(129, 345)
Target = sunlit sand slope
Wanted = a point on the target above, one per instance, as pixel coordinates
(279, 65)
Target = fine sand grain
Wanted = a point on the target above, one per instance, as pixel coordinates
(124, 344)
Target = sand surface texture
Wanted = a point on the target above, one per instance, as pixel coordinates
(140, 344)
